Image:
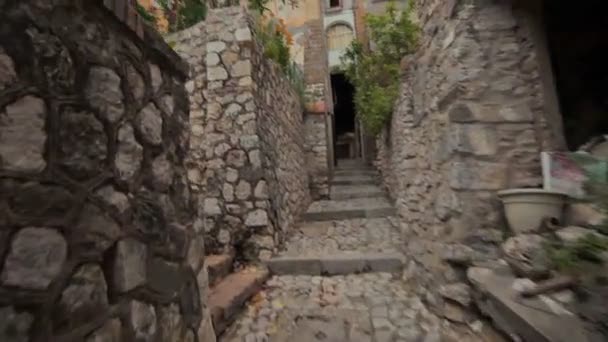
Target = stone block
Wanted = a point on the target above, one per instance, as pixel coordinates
(22, 135)
(111, 331)
(164, 278)
(141, 320)
(343, 264)
(103, 91)
(150, 124)
(35, 258)
(288, 265)
(384, 262)
(476, 175)
(257, 218)
(14, 326)
(129, 154)
(478, 140)
(129, 268)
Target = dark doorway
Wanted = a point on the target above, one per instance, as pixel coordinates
(345, 135)
(577, 37)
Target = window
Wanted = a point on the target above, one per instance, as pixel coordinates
(334, 3)
(339, 37)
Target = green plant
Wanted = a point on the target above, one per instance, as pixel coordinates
(375, 73)
(189, 13)
(145, 15)
(568, 257)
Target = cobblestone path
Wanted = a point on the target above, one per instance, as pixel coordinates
(334, 284)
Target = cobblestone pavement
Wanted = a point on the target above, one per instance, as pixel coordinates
(373, 307)
(346, 236)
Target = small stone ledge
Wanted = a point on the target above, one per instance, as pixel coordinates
(539, 319)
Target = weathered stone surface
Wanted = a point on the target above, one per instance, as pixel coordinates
(257, 218)
(117, 200)
(243, 190)
(109, 332)
(162, 172)
(150, 124)
(458, 254)
(164, 277)
(129, 154)
(216, 46)
(241, 68)
(97, 230)
(35, 258)
(136, 82)
(217, 73)
(22, 135)
(155, 76)
(14, 326)
(83, 148)
(212, 207)
(86, 295)
(459, 293)
(261, 190)
(129, 268)
(142, 320)
(526, 255)
(170, 324)
(104, 93)
(7, 70)
(477, 176)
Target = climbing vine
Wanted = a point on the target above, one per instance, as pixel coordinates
(375, 72)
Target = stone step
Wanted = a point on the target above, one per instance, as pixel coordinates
(344, 192)
(350, 162)
(228, 296)
(349, 214)
(338, 264)
(327, 210)
(218, 266)
(356, 172)
(354, 180)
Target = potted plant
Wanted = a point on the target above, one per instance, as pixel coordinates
(526, 209)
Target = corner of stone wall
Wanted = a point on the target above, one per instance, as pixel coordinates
(97, 238)
(245, 110)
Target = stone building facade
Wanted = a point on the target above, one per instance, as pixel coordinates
(248, 163)
(471, 119)
(96, 234)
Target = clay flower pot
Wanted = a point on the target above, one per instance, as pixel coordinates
(525, 209)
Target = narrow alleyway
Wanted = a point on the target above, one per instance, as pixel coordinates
(339, 277)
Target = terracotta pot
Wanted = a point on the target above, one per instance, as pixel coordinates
(525, 209)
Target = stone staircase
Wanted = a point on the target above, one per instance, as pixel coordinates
(352, 232)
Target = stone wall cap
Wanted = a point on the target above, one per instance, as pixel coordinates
(125, 12)
(522, 191)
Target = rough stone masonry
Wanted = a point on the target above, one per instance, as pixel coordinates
(248, 163)
(96, 234)
(469, 121)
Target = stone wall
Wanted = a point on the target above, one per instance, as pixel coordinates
(96, 234)
(248, 160)
(281, 133)
(469, 122)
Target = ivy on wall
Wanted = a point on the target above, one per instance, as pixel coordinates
(375, 72)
